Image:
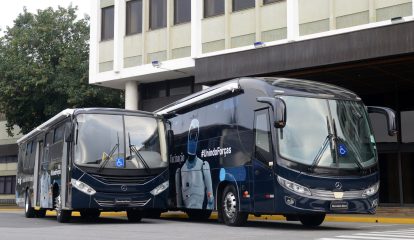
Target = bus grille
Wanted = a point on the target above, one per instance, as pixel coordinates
(126, 203)
(123, 179)
(329, 195)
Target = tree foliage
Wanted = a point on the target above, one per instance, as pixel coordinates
(44, 68)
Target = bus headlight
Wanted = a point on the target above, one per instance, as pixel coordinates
(371, 190)
(294, 187)
(161, 188)
(83, 187)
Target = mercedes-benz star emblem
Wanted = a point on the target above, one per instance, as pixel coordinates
(124, 188)
(338, 185)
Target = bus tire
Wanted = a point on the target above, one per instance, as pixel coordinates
(198, 214)
(29, 211)
(312, 220)
(62, 215)
(230, 209)
(40, 213)
(90, 214)
(134, 215)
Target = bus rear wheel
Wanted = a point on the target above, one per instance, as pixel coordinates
(230, 209)
(62, 215)
(134, 215)
(29, 211)
(312, 220)
(90, 214)
(198, 215)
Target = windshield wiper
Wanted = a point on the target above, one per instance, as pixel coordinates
(328, 140)
(105, 161)
(356, 160)
(134, 149)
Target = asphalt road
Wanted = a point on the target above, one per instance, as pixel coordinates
(14, 226)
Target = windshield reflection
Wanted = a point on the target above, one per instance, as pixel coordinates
(106, 141)
(327, 133)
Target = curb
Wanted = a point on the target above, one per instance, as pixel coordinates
(329, 218)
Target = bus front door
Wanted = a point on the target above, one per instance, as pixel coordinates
(263, 175)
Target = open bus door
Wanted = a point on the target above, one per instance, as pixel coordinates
(263, 174)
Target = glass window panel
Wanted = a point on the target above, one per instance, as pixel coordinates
(155, 90)
(13, 185)
(213, 7)
(182, 11)
(8, 186)
(407, 168)
(270, 1)
(58, 134)
(158, 14)
(243, 4)
(134, 17)
(107, 28)
(390, 185)
(2, 184)
(180, 87)
(407, 126)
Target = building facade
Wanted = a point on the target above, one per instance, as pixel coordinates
(161, 50)
(8, 163)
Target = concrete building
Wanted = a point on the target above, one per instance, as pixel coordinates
(161, 50)
(8, 163)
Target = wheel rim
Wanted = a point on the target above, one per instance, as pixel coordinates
(58, 206)
(26, 205)
(230, 205)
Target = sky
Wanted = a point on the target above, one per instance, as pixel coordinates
(9, 10)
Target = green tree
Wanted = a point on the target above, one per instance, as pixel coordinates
(44, 68)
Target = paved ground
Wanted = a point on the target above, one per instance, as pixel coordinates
(14, 226)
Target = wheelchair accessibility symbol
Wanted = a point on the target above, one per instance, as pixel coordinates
(120, 163)
(342, 150)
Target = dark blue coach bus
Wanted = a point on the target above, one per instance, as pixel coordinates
(94, 160)
(258, 146)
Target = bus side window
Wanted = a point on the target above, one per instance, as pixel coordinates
(26, 158)
(58, 133)
(263, 140)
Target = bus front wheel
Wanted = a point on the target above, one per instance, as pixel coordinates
(230, 209)
(312, 220)
(134, 215)
(62, 215)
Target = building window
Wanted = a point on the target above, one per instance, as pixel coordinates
(243, 4)
(158, 14)
(155, 90)
(213, 8)
(180, 87)
(8, 159)
(183, 86)
(134, 17)
(107, 30)
(270, 1)
(7, 184)
(182, 11)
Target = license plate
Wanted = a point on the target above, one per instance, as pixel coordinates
(339, 205)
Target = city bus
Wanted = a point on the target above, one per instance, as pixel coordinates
(261, 146)
(93, 160)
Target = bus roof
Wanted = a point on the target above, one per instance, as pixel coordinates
(271, 85)
(68, 112)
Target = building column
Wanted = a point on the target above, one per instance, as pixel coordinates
(95, 33)
(196, 18)
(292, 20)
(131, 95)
(119, 33)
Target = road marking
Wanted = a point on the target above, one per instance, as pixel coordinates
(403, 234)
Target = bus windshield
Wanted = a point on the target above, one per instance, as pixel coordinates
(120, 142)
(327, 133)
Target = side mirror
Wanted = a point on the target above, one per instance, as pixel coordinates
(279, 109)
(390, 116)
(170, 139)
(68, 132)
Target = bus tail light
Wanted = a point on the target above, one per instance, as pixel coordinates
(83, 187)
